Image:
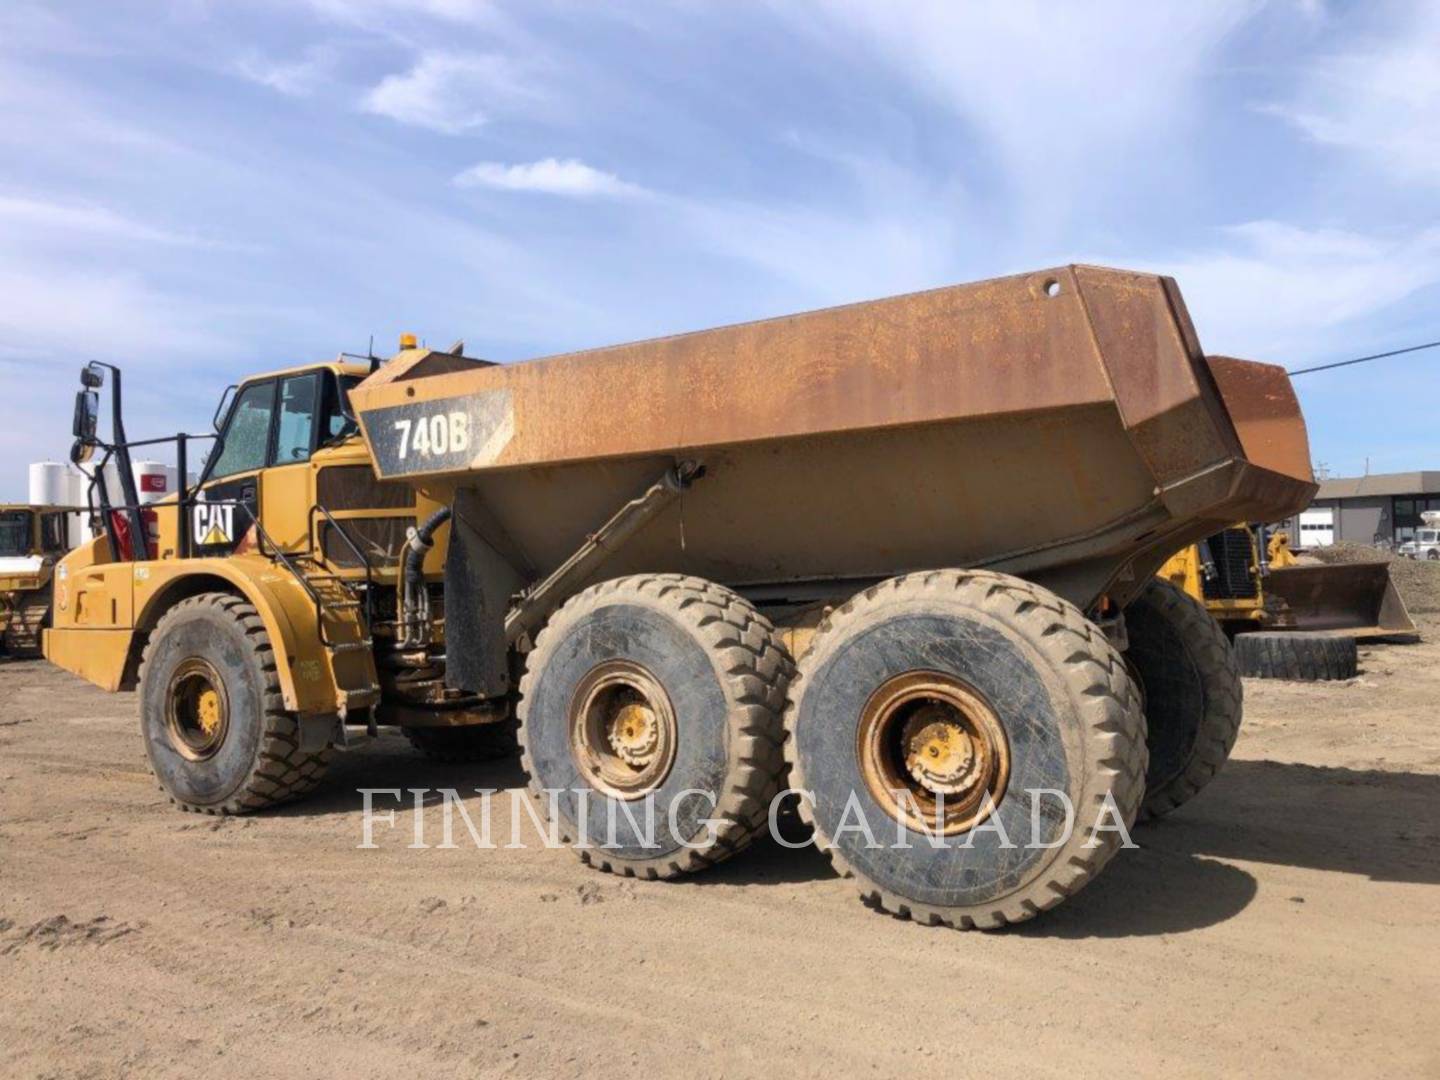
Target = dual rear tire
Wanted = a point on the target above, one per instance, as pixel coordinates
(919, 722)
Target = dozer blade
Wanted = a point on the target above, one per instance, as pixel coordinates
(1349, 599)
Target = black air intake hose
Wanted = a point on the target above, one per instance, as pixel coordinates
(414, 597)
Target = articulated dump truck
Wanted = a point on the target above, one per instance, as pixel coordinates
(898, 557)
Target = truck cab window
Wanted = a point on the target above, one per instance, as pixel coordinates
(53, 534)
(15, 528)
(247, 431)
(338, 421)
(296, 431)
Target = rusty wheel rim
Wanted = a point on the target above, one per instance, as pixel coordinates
(623, 734)
(197, 710)
(930, 749)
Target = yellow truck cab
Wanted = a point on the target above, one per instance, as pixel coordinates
(282, 562)
(32, 538)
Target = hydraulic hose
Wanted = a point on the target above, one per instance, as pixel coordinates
(414, 597)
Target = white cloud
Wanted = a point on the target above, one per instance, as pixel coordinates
(1382, 101)
(83, 217)
(447, 92)
(829, 257)
(1065, 99)
(297, 79)
(365, 11)
(551, 176)
(1275, 291)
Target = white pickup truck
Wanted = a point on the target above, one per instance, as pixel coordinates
(1426, 544)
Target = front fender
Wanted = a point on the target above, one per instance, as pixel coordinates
(306, 671)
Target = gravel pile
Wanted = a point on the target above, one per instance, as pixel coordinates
(1417, 579)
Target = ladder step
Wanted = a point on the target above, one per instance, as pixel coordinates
(352, 646)
(339, 605)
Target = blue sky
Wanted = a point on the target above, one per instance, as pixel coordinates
(200, 189)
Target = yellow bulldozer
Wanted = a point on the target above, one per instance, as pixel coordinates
(898, 554)
(32, 539)
(1289, 619)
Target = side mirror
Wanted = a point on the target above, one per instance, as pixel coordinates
(92, 378)
(87, 420)
(87, 416)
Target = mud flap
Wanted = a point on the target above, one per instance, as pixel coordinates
(479, 583)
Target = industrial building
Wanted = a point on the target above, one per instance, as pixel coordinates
(1381, 508)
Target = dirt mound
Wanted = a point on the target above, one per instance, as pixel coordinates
(1417, 579)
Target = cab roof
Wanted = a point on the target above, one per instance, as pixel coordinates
(340, 367)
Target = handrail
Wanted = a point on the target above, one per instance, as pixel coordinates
(355, 550)
(265, 543)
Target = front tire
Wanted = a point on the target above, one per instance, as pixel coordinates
(967, 685)
(217, 736)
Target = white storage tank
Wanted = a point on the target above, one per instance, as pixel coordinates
(153, 481)
(52, 484)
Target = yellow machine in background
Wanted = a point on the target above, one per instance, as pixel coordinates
(1224, 573)
(1244, 592)
(32, 538)
(1278, 551)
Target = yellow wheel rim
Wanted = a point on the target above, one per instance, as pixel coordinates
(932, 752)
(197, 710)
(623, 734)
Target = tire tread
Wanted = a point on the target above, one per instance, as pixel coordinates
(281, 772)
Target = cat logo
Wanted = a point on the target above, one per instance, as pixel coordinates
(214, 526)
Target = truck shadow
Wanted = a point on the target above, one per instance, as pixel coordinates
(389, 761)
(1377, 824)
(1380, 824)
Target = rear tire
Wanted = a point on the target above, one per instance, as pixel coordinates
(1297, 655)
(1024, 692)
(475, 742)
(217, 735)
(660, 688)
(1190, 683)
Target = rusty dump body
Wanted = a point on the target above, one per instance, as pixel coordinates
(1063, 426)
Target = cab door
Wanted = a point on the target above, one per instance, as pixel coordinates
(287, 489)
(229, 491)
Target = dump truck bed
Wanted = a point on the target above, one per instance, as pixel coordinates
(1062, 425)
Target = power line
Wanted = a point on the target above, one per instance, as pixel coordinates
(1363, 359)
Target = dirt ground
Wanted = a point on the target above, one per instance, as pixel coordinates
(1286, 922)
